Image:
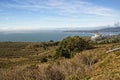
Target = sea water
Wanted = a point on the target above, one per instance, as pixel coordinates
(42, 36)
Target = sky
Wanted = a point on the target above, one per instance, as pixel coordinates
(57, 14)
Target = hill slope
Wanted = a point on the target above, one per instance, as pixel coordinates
(93, 64)
(110, 29)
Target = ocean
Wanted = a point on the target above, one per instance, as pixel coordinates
(43, 36)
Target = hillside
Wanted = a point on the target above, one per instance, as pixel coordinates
(107, 29)
(110, 29)
(35, 61)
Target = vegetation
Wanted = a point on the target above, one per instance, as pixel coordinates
(35, 61)
(43, 59)
(71, 45)
(109, 39)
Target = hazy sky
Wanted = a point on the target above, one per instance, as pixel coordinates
(55, 14)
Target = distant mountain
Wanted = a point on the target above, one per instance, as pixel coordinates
(114, 28)
(107, 29)
(110, 29)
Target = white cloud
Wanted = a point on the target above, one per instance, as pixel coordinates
(62, 7)
(75, 13)
(16, 29)
(101, 11)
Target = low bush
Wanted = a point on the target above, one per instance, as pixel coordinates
(71, 45)
(43, 59)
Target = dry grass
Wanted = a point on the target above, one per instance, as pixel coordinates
(94, 64)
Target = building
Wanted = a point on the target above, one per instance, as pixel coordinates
(96, 37)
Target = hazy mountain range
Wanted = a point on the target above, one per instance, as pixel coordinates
(115, 28)
(111, 29)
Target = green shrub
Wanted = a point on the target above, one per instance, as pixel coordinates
(43, 59)
(71, 45)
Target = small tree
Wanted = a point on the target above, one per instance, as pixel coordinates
(70, 45)
(43, 59)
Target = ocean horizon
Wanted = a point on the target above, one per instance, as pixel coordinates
(44, 36)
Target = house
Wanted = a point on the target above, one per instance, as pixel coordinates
(96, 37)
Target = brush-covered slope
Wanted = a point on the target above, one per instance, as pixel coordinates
(93, 64)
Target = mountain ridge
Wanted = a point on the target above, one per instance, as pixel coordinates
(106, 29)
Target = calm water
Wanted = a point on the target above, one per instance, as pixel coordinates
(42, 36)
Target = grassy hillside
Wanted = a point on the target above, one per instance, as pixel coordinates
(35, 61)
(18, 53)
